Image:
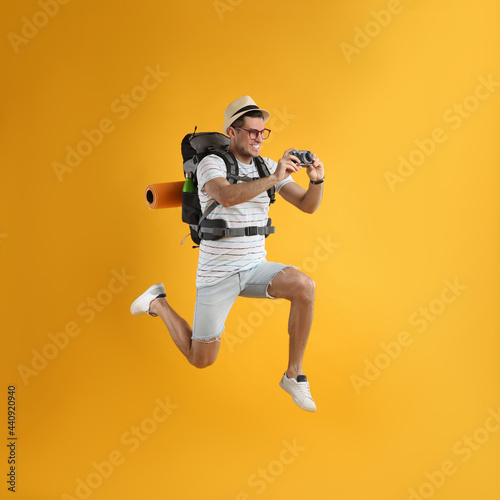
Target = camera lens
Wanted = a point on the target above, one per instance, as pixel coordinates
(308, 157)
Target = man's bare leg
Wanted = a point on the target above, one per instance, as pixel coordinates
(298, 288)
(199, 354)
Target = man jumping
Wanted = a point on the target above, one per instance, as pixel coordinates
(237, 266)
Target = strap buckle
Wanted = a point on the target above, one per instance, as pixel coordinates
(251, 231)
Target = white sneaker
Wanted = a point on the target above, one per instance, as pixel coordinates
(299, 390)
(141, 303)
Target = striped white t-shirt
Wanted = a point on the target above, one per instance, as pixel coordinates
(219, 259)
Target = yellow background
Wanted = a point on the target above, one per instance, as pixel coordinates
(388, 252)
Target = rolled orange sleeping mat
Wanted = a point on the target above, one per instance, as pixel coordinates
(164, 195)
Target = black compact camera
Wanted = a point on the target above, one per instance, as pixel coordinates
(305, 157)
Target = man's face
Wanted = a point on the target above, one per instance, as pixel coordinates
(245, 147)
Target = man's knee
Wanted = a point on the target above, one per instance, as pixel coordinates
(292, 284)
(202, 362)
(305, 286)
(204, 353)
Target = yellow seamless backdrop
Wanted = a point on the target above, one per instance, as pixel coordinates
(400, 100)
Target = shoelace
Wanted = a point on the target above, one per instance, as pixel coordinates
(304, 389)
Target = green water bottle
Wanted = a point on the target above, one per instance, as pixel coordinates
(189, 184)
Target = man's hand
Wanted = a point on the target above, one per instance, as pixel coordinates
(307, 200)
(315, 172)
(286, 165)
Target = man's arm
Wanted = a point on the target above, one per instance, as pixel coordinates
(229, 195)
(306, 200)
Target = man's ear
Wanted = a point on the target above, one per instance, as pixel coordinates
(231, 133)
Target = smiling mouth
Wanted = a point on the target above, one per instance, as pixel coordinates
(255, 146)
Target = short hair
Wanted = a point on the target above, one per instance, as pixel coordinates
(252, 114)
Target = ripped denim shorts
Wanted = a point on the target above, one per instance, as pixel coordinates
(214, 302)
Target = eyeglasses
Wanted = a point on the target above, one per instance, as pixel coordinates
(253, 133)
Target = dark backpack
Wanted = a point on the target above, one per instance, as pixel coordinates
(194, 148)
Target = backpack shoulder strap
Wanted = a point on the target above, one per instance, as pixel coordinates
(230, 161)
(264, 172)
(233, 169)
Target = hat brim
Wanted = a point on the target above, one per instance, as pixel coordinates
(238, 115)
